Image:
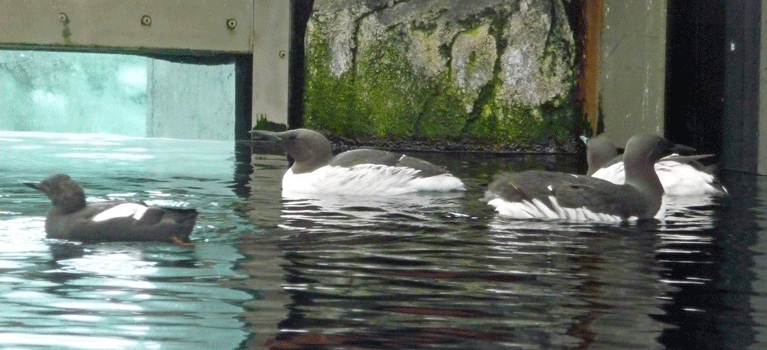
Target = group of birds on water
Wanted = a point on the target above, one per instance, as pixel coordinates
(616, 188)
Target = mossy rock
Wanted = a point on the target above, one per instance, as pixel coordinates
(487, 71)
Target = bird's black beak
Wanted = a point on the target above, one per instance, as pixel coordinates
(682, 149)
(267, 142)
(35, 185)
(263, 135)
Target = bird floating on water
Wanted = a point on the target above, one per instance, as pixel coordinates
(363, 171)
(555, 195)
(72, 219)
(680, 175)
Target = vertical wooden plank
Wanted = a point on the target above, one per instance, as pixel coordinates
(243, 93)
(732, 123)
(633, 68)
(301, 10)
(741, 107)
(695, 74)
(590, 58)
(762, 142)
(271, 46)
(751, 46)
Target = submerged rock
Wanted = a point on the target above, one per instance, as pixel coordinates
(489, 71)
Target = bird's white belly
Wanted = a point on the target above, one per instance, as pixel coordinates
(366, 179)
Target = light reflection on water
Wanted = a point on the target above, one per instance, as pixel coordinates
(421, 271)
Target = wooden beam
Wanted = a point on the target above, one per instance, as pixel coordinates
(590, 59)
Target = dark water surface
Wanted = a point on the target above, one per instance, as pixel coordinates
(408, 272)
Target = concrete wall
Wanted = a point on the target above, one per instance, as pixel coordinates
(633, 68)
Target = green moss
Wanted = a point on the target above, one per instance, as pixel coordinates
(513, 124)
(444, 114)
(264, 124)
(386, 90)
(329, 100)
(473, 59)
(401, 103)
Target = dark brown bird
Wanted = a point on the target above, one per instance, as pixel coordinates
(554, 195)
(72, 219)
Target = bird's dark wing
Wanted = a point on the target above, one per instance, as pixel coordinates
(365, 156)
(569, 190)
(426, 169)
(600, 197)
(155, 215)
(156, 224)
(373, 156)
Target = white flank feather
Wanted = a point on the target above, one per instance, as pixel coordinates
(538, 210)
(124, 210)
(367, 179)
(661, 214)
(678, 179)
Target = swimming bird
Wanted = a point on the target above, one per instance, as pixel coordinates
(599, 151)
(363, 171)
(72, 219)
(680, 175)
(556, 195)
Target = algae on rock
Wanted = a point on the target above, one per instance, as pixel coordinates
(491, 71)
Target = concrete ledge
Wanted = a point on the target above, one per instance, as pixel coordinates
(206, 25)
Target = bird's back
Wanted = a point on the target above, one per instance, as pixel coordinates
(121, 221)
(568, 196)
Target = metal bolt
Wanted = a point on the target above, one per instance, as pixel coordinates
(283, 54)
(231, 23)
(146, 20)
(63, 17)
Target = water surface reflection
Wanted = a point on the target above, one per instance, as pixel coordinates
(338, 272)
(434, 271)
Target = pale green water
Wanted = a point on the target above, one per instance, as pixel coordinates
(412, 272)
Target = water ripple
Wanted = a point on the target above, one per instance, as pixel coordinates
(417, 271)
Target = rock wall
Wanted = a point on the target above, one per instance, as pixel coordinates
(487, 71)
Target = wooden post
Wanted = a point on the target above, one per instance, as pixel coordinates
(590, 59)
(742, 113)
(271, 48)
